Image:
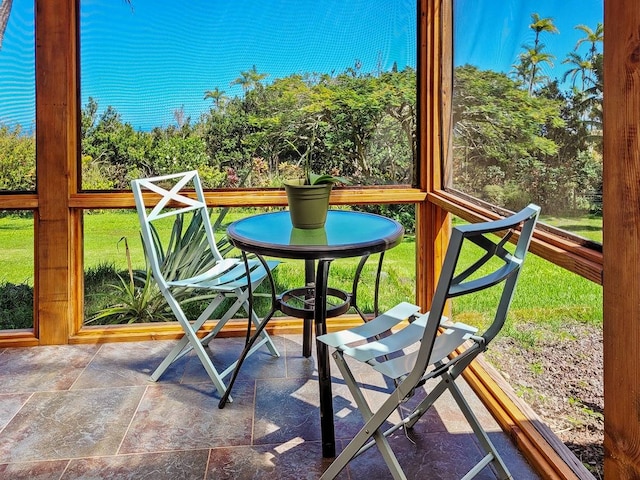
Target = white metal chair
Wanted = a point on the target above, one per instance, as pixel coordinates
(205, 275)
(430, 346)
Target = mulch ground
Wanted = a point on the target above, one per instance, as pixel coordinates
(561, 379)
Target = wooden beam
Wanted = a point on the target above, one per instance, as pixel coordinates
(260, 197)
(56, 153)
(432, 222)
(621, 228)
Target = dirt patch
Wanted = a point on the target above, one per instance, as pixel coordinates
(560, 377)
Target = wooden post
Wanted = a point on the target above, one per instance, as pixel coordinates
(621, 239)
(432, 222)
(57, 143)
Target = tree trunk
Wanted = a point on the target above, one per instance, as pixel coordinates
(5, 10)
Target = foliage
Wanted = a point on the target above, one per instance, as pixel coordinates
(16, 306)
(405, 214)
(17, 159)
(136, 297)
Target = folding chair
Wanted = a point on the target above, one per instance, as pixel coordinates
(429, 345)
(208, 275)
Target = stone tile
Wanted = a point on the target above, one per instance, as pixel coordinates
(513, 459)
(184, 465)
(286, 409)
(129, 364)
(114, 423)
(36, 369)
(9, 406)
(47, 470)
(177, 417)
(223, 352)
(70, 424)
(453, 417)
(293, 460)
(299, 366)
(435, 456)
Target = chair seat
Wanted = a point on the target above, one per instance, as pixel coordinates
(404, 328)
(227, 277)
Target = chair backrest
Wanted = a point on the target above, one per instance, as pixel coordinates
(176, 192)
(494, 265)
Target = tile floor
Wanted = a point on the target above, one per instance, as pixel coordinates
(90, 412)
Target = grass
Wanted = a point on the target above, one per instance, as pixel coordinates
(546, 295)
(588, 227)
(16, 238)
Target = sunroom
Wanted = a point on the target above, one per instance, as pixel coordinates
(466, 119)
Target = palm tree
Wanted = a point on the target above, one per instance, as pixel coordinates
(250, 79)
(591, 36)
(217, 96)
(581, 66)
(534, 56)
(539, 25)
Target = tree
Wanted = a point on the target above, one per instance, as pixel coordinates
(5, 10)
(539, 25)
(17, 160)
(581, 66)
(591, 36)
(533, 58)
(535, 55)
(217, 95)
(499, 137)
(249, 79)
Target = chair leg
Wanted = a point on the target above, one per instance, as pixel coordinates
(190, 341)
(183, 346)
(492, 454)
(371, 429)
(207, 364)
(177, 352)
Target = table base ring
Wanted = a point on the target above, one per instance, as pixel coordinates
(299, 302)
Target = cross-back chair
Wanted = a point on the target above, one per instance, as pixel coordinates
(429, 345)
(204, 274)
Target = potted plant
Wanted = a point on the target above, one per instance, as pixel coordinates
(308, 197)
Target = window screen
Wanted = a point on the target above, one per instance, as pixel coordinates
(249, 93)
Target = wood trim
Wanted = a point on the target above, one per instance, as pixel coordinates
(259, 197)
(172, 330)
(18, 338)
(432, 222)
(18, 202)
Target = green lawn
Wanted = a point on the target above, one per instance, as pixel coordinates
(546, 294)
(588, 227)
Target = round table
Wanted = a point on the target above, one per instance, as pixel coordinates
(345, 234)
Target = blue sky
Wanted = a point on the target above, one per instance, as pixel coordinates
(499, 28)
(151, 58)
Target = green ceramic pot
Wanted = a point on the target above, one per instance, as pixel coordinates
(308, 204)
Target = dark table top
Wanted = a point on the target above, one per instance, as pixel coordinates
(345, 234)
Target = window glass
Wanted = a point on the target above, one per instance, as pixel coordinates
(17, 96)
(527, 107)
(248, 93)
